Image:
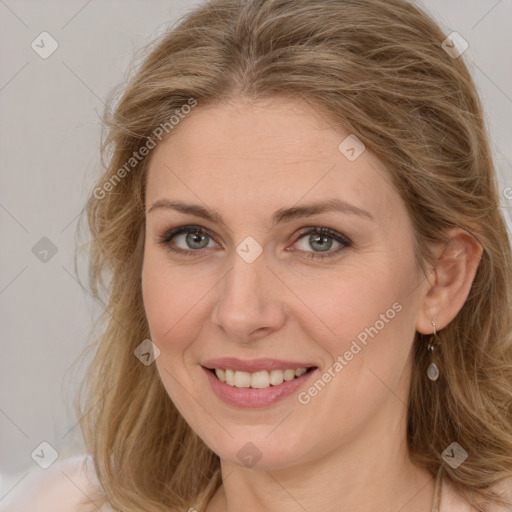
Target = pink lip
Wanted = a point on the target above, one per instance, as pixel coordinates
(254, 365)
(249, 397)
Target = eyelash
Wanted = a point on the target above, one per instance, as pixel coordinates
(345, 242)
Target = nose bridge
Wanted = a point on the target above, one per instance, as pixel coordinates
(245, 302)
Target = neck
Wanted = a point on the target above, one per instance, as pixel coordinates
(369, 473)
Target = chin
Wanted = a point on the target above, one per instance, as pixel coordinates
(255, 448)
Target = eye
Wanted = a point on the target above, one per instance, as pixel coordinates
(321, 239)
(193, 239)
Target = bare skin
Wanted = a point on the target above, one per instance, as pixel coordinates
(345, 450)
(68, 484)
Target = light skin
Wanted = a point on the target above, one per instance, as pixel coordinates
(345, 450)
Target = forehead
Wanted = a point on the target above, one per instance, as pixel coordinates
(257, 157)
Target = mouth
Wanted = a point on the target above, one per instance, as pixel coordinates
(260, 379)
(256, 382)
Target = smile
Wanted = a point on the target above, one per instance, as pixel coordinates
(258, 380)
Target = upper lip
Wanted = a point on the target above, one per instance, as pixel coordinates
(254, 365)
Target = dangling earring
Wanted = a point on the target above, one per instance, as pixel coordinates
(433, 370)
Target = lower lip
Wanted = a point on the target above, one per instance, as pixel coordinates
(250, 397)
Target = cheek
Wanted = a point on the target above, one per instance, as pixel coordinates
(344, 306)
(171, 297)
(372, 316)
(367, 320)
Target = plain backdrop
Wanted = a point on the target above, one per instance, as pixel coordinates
(49, 143)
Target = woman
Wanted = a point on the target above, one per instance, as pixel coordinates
(309, 301)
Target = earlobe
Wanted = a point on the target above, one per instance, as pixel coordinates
(452, 276)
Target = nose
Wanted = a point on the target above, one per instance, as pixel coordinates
(249, 302)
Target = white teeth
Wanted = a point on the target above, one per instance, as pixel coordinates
(260, 380)
(242, 379)
(230, 377)
(257, 380)
(276, 377)
(289, 375)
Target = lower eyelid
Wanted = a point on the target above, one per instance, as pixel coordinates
(170, 236)
(167, 240)
(304, 236)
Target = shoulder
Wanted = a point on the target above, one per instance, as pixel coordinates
(505, 489)
(66, 486)
(452, 501)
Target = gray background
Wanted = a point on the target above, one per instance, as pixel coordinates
(50, 135)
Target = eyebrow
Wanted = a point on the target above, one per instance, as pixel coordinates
(281, 215)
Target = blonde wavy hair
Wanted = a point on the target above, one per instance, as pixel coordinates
(377, 68)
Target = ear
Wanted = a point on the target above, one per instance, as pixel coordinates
(450, 280)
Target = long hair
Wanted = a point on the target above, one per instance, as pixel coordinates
(377, 68)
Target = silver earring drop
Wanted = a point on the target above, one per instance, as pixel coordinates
(433, 370)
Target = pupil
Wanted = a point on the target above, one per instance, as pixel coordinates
(321, 238)
(196, 237)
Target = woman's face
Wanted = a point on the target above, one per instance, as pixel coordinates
(258, 292)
